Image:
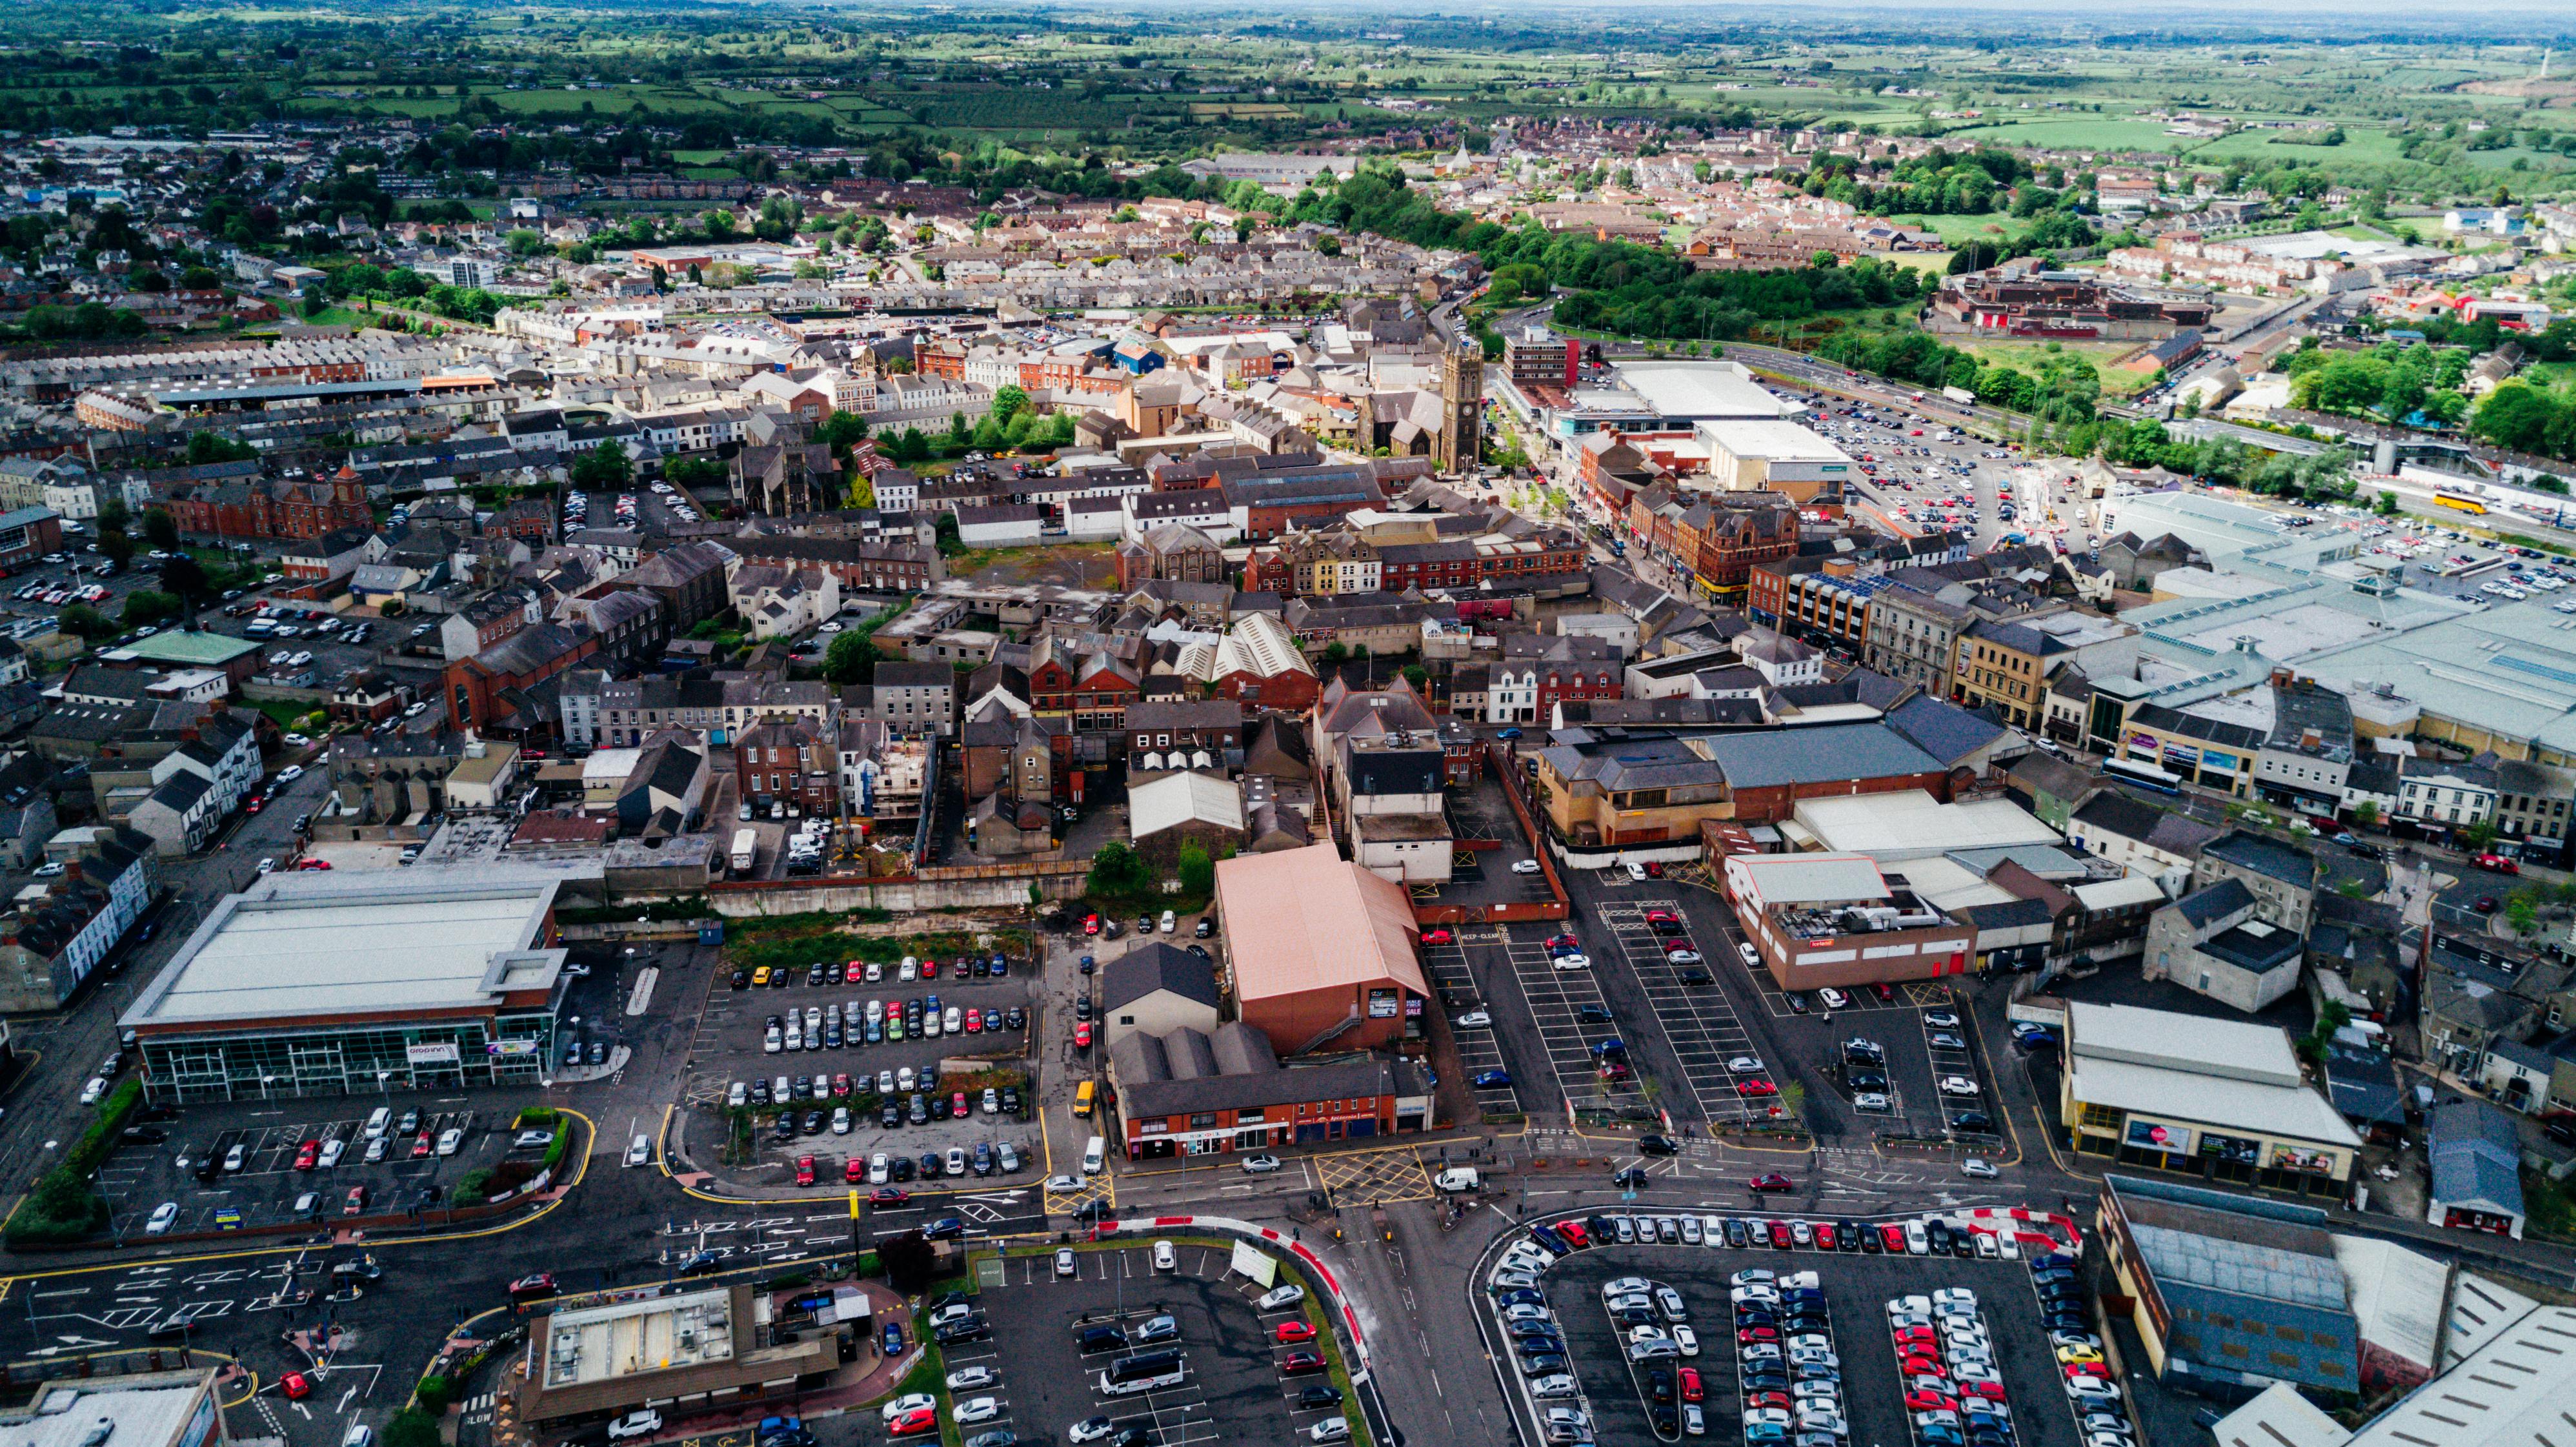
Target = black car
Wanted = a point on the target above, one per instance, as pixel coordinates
(973, 1328)
(1205, 928)
(1736, 1235)
(1593, 1015)
(1939, 1231)
(1697, 976)
(1975, 1120)
(1524, 1330)
(930, 1165)
(1658, 1145)
(946, 1228)
(813, 1122)
(1011, 1100)
(889, 1116)
(1319, 1395)
(742, 979)
(1867, 1080)
(146, 1135)
(1798, 1002)
(1017, 1019)
(1629, 1178)
(786, 1125)
(1542, 1364)
(901, 1167)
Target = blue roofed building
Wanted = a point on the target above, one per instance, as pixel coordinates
(2476, 1157)
(2229, 1293)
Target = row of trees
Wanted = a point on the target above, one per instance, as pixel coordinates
(2063, 389)
(2326, 477)
(2394, 382)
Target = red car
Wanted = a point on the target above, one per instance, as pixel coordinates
(854, 1170)
(929, 968)
(1295, 1331)
(1660, 916)
(254, 806)
(957, 1106)
(2499, 864)
(307, 1154)
(804, 1170)
(296, 1386)
(1692, 1391)
(1082, 1036)
(1678, 944)
(841, 1084)
(974, 1021)
(1824, 1237)
(1759, 1400)
(1091, 924)
(1563, 942)
(919, 1422)
(1782, 1237)
(1772, 1182)
(1922, 1367)
(421, 1147)
(1756, 1088)
(1892, 1237)
(1747, 1335)
(888, 1196)
(1574, 1234)
(1930, 1402)
(2088, 1369)
(1300, 1364)
(1918, 1339)
(356, 1205)
(1436, 936)
(1991, 1391)
(856, 972)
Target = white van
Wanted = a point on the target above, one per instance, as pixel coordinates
(378, 1121)
(1095, 1156)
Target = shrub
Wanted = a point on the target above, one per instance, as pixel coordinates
(411, 1427)
(473, 1188)
(433, 1393)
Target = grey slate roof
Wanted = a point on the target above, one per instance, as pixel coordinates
(1943, 729)
(2476, 1156)
(1157, 966)
(2205, 907)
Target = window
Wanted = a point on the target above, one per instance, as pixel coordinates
(2102, 1117)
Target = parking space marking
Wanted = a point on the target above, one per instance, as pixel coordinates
(1478, 1049)
(1701, 1027)
(1954, 1060)
(1571, 1014)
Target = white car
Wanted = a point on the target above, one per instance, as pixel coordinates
(1745, 1065)
(1980, 1169)
(290, 773)
(1572, 962)
(909, 1402)
(1686, 1339)
(641, 1423)
(1475, 1020)
(96, 1088)
(1090, 1429)
(163, 1216)
(1260, 1165)
(449, 1139)
(1957, 1085)
(331, 1153)
(1525, 866)
(978, 1409)
(1281, 1297)
(1751, 955)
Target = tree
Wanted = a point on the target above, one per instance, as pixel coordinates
(1118, 872)
(945, 528)
(1327, 244)
(411, 1427)
(160, 529)
(842, 431)
(1008, 402)
(1197, 871)
(144, 607)
(211, 447)
(115, 546)
(86, 621)
(185, 578)
(851, 659)
(2366, 813)
(909, 1261)
(604, 468)
(2520, 913)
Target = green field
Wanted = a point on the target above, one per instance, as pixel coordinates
(2026, 356)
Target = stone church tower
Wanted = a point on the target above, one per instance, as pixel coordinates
(1460, 444)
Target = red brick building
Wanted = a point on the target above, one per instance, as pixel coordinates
(263, 507)
(488, 690)
(792, 761)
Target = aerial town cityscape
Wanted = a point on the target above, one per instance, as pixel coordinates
(732, 726)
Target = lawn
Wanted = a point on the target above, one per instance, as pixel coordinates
(2026, 357)
(2101, 133)
(1993, 226)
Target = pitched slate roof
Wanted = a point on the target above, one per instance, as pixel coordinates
(1157, 966)
(2476, 1156)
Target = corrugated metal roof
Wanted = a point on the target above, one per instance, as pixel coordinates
(1812, 878)
(1307, 919)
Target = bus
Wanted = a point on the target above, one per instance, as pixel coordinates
(1144, 1372)
(2144, 776)
(1082, 1098)
(2463, 504)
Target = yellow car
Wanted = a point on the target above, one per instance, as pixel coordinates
(760, 976)
(2069, 1356)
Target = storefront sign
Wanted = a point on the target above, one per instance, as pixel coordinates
(2218, 763)
(1382, 1003)
(2236, 1150)
(2147, 1135)
(515, 1046)
(2182, 756)
(2312, 1163)
(441, 1053)
(2144, 745)
(1413, 1007)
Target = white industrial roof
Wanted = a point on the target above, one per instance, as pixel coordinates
(1702, 389)
(2279, 1417)
(1780, 879)
(2396, 1296)
(2481, 1311)
(2219, 1073)
(1911, 824)
(1173, 799)
(2113, 893)
(66, 1412)
(360, 944)
(1770, 440)
(2516, 1391)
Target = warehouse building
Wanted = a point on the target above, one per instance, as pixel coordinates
(1776, 456)
(1321, 951)
(2213, 1098)
(1834, 919)
(321, 984)
(2229, 1293)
